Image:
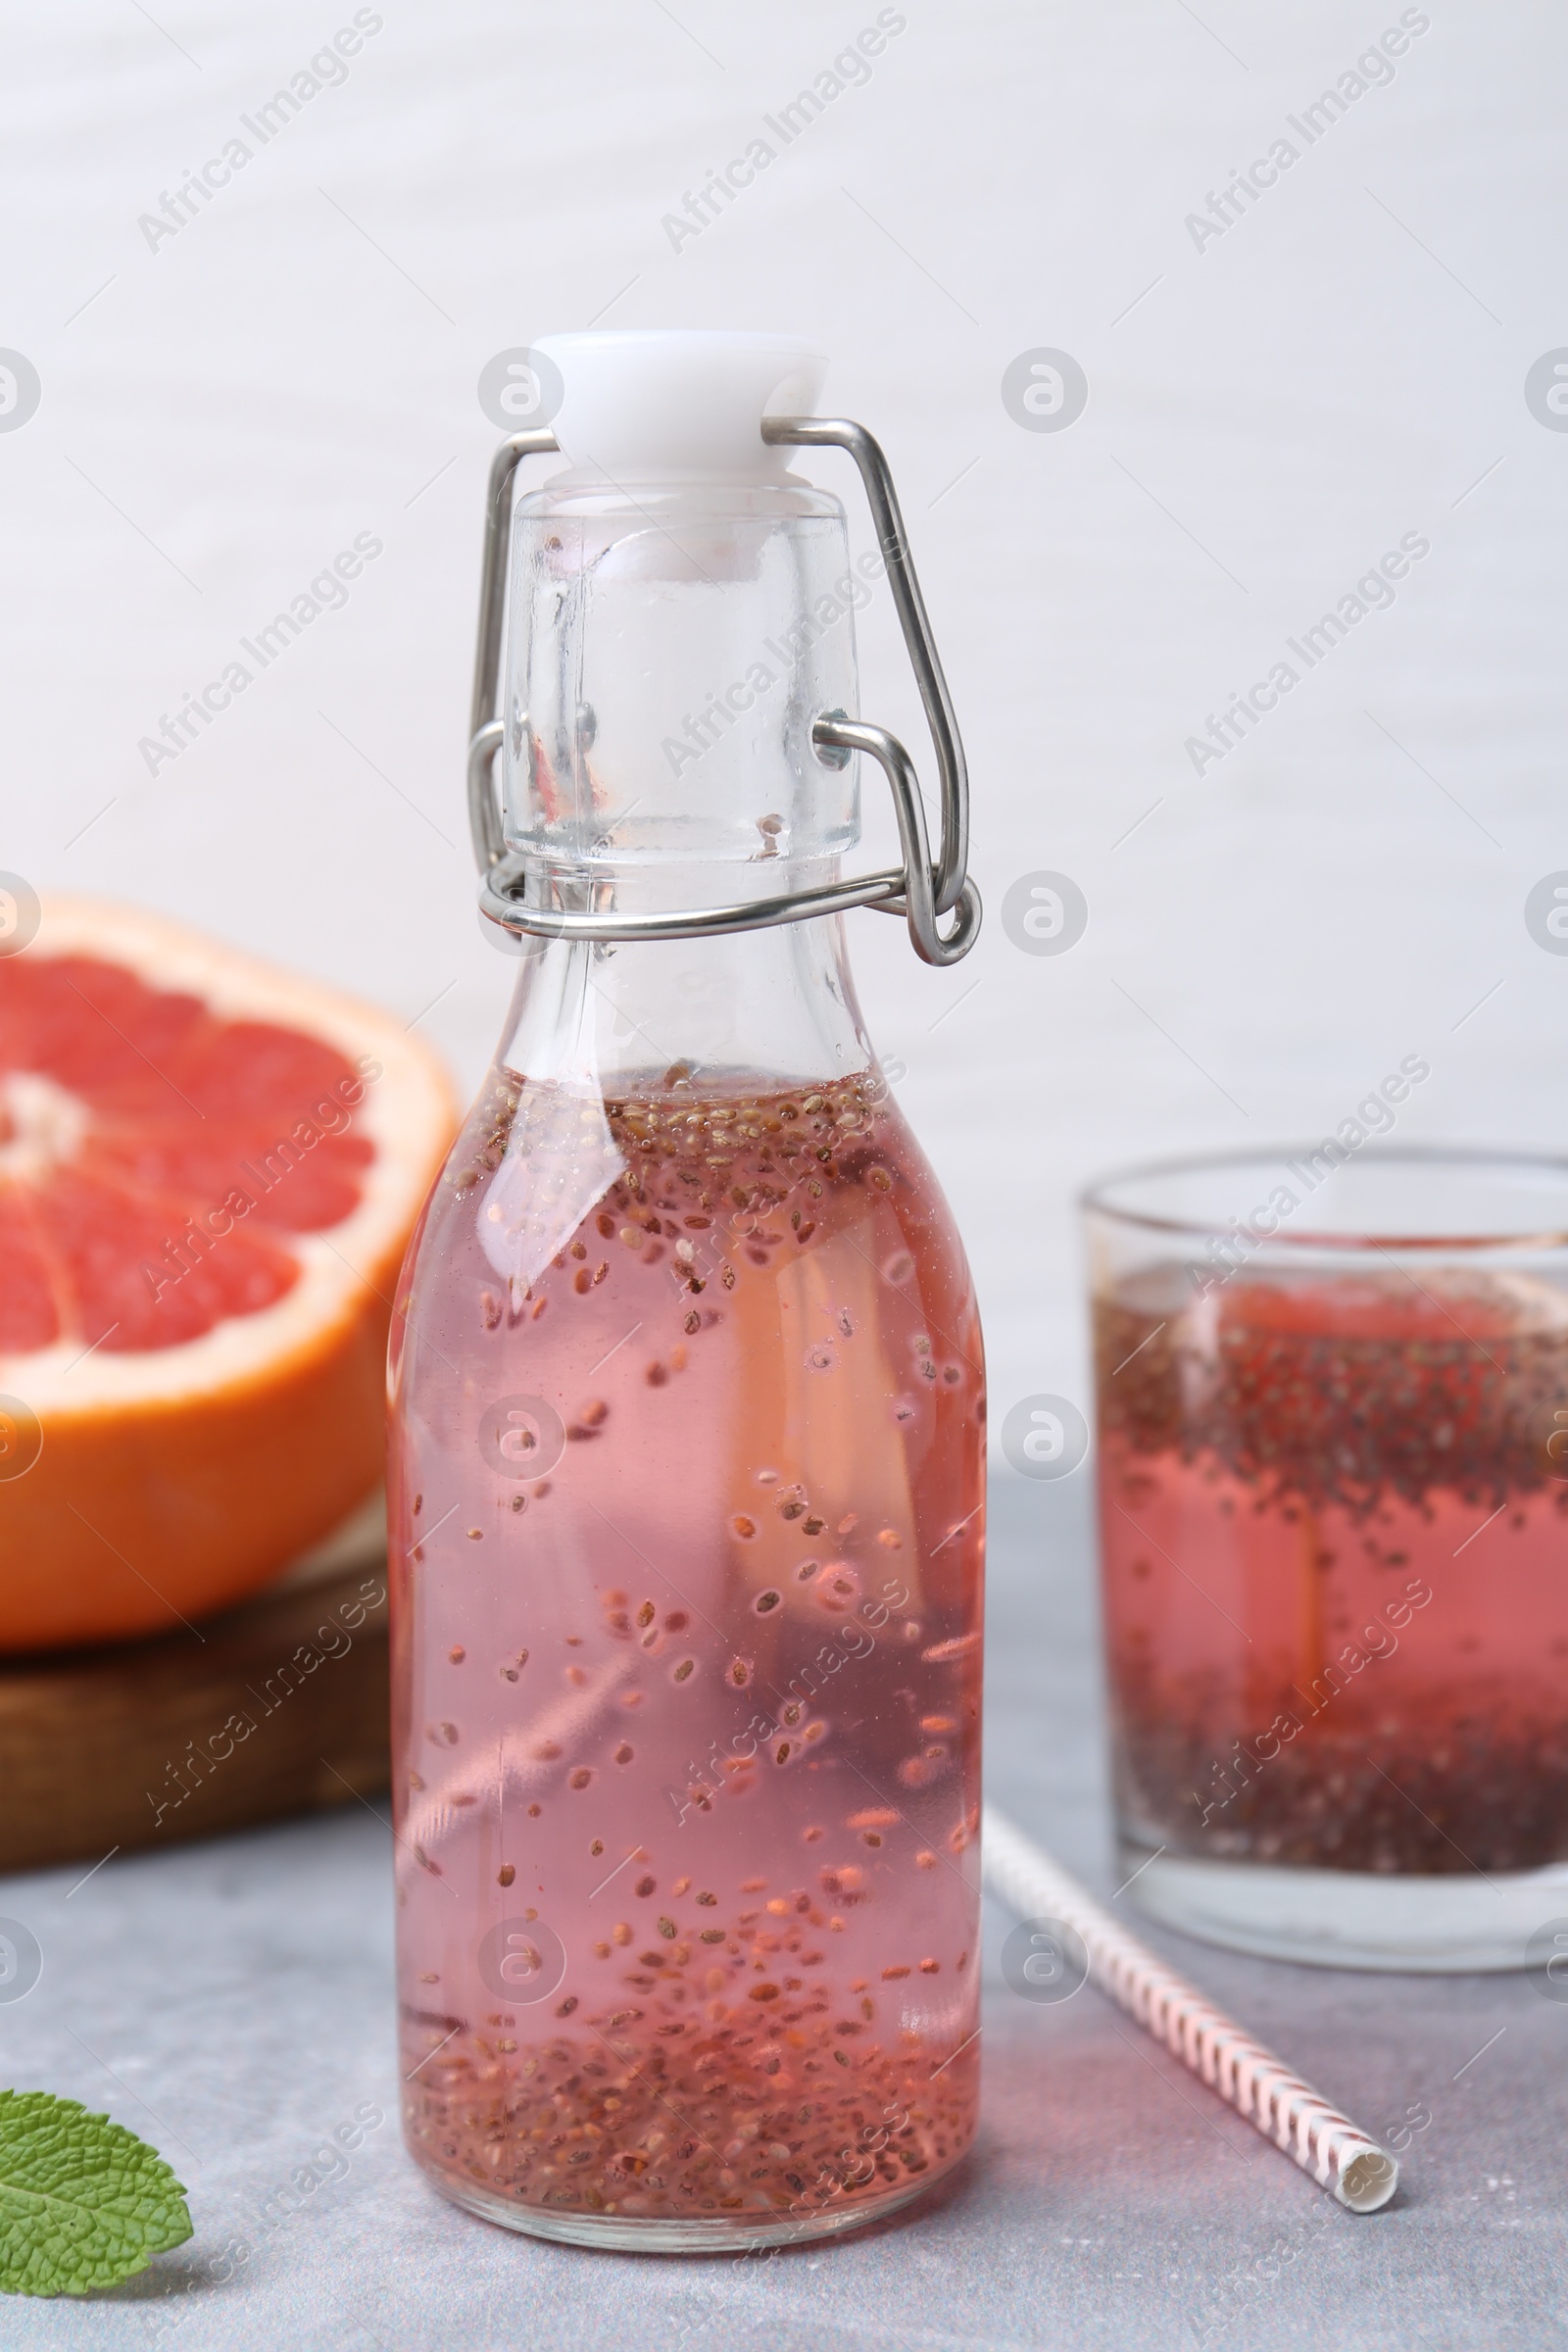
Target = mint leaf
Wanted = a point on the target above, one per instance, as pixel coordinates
(83, 2202)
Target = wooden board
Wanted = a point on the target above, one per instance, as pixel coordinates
(277, 1708)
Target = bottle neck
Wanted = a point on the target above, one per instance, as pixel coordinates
(652, 1014)
(670, 651)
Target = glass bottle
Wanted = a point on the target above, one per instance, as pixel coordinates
(686, 1392)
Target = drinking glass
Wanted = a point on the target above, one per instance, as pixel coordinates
(1333, 1480)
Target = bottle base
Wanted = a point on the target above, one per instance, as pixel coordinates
(1353, 1919)
(658, 2234)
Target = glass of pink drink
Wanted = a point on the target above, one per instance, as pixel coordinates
(1334, 1522)
(687, 1485)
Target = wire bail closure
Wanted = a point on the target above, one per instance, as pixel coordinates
(919, 889)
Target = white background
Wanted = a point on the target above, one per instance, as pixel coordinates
(1344, 365)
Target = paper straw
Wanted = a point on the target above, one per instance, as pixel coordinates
(1250, 2079)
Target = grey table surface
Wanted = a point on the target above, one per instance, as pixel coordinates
(232, 2002)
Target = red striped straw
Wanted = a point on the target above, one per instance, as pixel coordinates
(1246, 2076)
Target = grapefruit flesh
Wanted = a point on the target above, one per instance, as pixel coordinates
(209, 1172)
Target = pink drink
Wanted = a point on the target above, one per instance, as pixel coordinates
(1333, 1539)
(687, 1542)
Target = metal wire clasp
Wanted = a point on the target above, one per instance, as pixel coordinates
(920, 889)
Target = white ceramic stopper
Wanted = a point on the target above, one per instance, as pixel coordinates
(641, 404)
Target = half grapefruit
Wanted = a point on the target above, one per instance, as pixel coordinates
(209, 1172)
